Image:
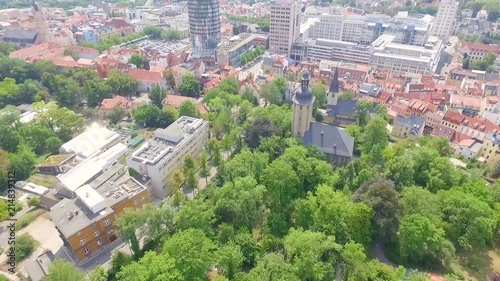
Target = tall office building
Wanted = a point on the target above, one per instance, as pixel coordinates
(285, 25)
(445, 19)
(204, 27)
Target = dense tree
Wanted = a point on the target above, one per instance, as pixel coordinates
(127, 224)
(61, 270)
(122, 83)
(117, 114)
(25, 245)
(196, 214)
(169, 77)
(272, 267)
(188, 108)
(319, 211)
(468, 221)
(319, 91)
(422, 242)
(22, 162)
(190, 87)
(136, 60)
(441, 174)
(64, 122)
(241, 203)
(98, 274)
(151, 266)
(355, 132)
(229, 85)
(419, 201)
(229, 260)
(10, 138)
(192, 252)
(382, 196)
(440, 144)
(362, 112)
(312, 254)
(259, 128)
(282, 187)
(375, 134)
(271, 93)
(158, 96)
(400, 170)
(151, 116)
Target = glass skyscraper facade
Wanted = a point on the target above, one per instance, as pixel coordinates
(204, 26)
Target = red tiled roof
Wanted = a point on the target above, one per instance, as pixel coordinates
(116, 100)
(453, 117)
(146, 76)
(481, 47)
(83, 50)
(176, 101)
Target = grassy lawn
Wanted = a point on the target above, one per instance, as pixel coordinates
(48, 181)
(28, 218)
(477, 265)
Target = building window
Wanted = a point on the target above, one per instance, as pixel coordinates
(79, 234)
(82, 242)
(135, 202)
(99, 242)
(107, 222)
(143, 198)
(86, 250)
(93, 225)
(96, 233)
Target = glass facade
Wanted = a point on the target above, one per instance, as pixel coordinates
(204, 26)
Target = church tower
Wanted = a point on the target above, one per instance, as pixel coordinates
(303, 104)
(333, 92)
(40, 24)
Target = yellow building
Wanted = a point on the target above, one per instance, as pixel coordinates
(86, 222)
(491, 149)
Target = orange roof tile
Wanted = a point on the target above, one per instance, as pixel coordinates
(146, 76)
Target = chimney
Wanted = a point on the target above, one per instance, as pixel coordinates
(322, 138)
(87, 194)
(334, 149)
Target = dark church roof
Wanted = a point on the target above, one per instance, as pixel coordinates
(334, 84)
(303, 95)
(19, 34)
(343, 107)
(329, 139)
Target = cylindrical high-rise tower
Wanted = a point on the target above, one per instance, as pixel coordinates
(204, 27)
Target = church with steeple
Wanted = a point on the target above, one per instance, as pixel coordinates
(339, 112)
(337, 145)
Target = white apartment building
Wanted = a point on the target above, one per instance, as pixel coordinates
(284, 29)
(404, 59)
(162, 155)
(444, 22)
(338, 50)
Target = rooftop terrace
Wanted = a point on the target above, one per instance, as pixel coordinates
(166, 141)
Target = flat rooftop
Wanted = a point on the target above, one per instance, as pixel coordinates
(166, 142)
(56, 160)
(72, 215)
(402, 57)
(238, 41)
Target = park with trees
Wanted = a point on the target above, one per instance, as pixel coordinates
(276, 210)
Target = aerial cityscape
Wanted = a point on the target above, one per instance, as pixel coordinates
(249, 140)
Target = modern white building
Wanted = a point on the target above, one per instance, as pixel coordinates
(321, 49)
(89, 169)
(284, 29)
(405, 59)
(444, 22)
(364, 29)
(162, 155)
(94, 139)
